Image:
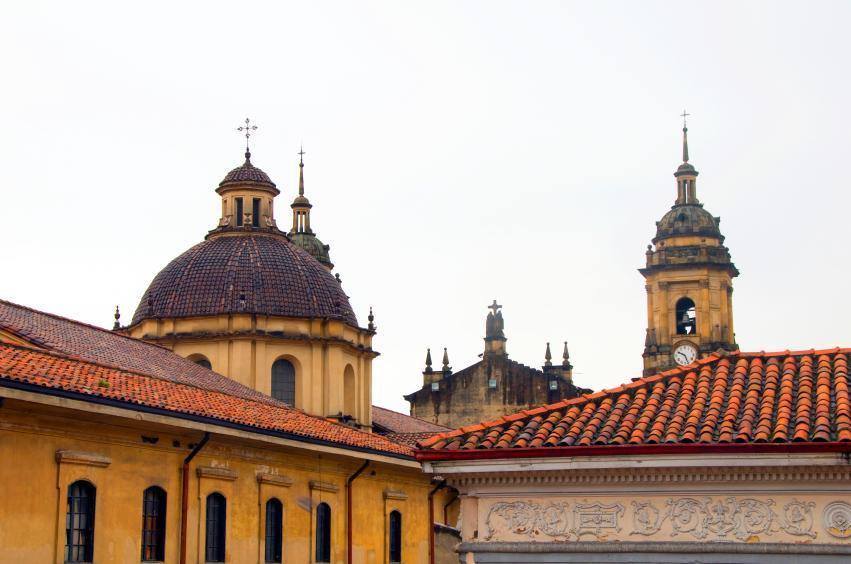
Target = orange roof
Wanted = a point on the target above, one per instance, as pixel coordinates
(742, 398)
(58, 374)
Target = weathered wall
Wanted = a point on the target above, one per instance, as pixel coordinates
(119, 458)
(465, 397)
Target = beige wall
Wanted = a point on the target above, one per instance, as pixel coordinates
(112, 454)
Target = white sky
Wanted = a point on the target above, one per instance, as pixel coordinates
(457, 152)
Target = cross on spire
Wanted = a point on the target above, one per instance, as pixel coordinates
(247, 128)
(684, 115)
(301, 155)
(495, 307)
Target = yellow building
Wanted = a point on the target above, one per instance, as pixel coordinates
(252, 444)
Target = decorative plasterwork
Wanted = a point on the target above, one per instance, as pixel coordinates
(217, 473)
(84, 458)
(722, 518)
(837, 519)
(651, 476)
(559, 521)
(395, 494)
(274, 479)
(329, 487)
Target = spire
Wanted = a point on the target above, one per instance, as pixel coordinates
(446, 367)
(428, 360)
(301, 171)
(548, 357)
(686, 173)
(684, 115)
(117, 325)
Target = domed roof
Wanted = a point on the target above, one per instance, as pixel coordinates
(247, 172)
(260, 274)
(316, 248)
(688, 219)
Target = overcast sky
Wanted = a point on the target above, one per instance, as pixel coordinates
(457, 152)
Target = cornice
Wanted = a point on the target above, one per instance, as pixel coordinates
(217, 473)
(82, 458)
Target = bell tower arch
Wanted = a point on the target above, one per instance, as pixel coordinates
(689, 281)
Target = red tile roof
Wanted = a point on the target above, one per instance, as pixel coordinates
(109, 348)
(56, 373)
(742, 398)
(394, 422)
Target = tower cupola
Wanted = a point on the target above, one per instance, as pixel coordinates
(301, 233)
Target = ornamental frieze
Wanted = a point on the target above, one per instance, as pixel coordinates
(725, 518)
(675, 519)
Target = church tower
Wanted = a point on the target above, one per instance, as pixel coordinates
(689, 281)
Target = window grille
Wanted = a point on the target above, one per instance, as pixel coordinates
(283, 381)
(80, 523)
(274, 530)
(395, 537)
(323, 533)
(216, 526)
(153, 524)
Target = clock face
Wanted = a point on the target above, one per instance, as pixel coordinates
(685, 354)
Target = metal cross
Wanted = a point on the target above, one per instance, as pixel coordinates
(495, 307)
(301, 154)
(684, 115)
(247, 128)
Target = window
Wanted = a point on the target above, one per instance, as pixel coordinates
(216, 515)
(349, 391)
(255, 212)
(202, 361)
(554, 385)
(686, 317)
(395, 537)
(323, 533)
(283, 381)
(492, 383)
(153, 524)
(274, 530)
(239, 212)
(80, 523)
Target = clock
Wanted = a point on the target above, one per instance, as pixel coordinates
(685, 353)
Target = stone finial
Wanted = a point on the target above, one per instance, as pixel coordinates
(428, 360)
(565, 356)
(548, 357)
(446, 367)
(371, 319)
(117, 325)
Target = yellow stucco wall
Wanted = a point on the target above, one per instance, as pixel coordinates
(244, 347)
(33, 504)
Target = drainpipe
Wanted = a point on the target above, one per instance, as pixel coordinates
(446, 505)
(437, 488)
(184, 500)
(349, 481)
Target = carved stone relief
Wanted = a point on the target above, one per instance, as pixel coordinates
(837, 519)
(554, 520)
(723, 518)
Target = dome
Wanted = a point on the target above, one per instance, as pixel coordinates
(247, 172)
(316, 248)
(262, 274)
(688, 219)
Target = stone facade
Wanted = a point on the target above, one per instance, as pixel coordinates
(493, 387)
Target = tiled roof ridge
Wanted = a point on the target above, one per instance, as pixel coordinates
(639, 383)
(75, 322)
(393, 411)
(131, 403)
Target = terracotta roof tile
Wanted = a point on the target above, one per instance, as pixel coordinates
(388, 421)
(50, 372)
(761, 397)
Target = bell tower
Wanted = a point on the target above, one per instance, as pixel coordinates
(689, 281)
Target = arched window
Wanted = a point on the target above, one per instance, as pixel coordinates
(80, 523)
(686, 317)
(283, 381)
(349, 391)
(395, 537)
(153, 524)
(323, 533)
(274, 530)
(216, 516)
(201, 360)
